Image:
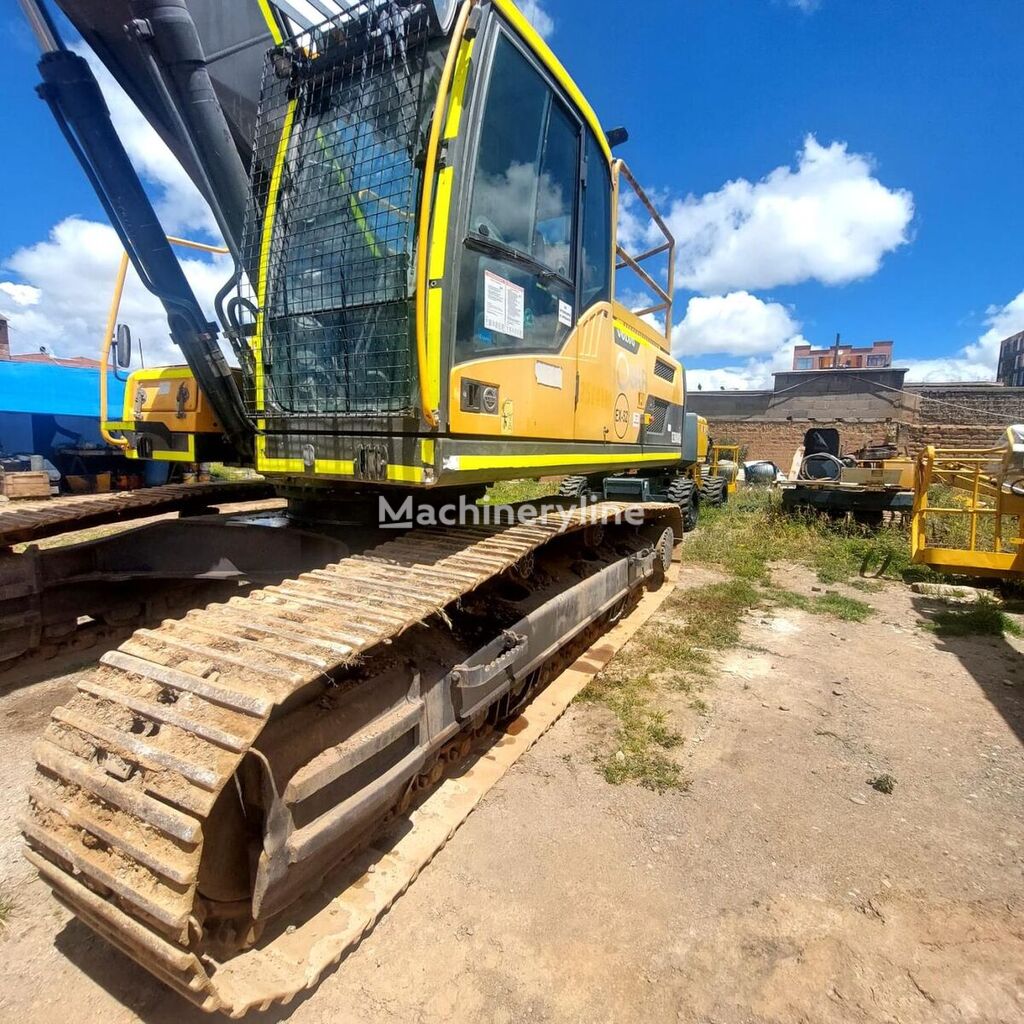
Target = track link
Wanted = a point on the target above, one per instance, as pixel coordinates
(22, 522)
(129, 771)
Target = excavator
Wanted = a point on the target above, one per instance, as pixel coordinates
(421, 211)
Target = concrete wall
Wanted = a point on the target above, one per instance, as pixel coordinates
(868, 395)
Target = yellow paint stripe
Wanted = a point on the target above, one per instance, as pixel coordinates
(163, 373)
(427, 451)
(329, 467)
(268, 17)
(458, 100)
(430, 375)
(265, 243)
(188, 455)
(406, 474)
(439, 235)
(557, 69)
(467, 463)
(638, 337)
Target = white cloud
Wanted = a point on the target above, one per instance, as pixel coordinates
(537, 16)
(72, 274)
(21, 294)
(807, 6)
(179, 204)
(753, 374)
(62, 297)
(741, 325)
(737, 324)
(829, 219)
(980, 359)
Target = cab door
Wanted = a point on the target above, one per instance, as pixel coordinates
(598, 415)
(514, 365)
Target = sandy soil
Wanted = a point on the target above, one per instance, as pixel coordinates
(780, 888)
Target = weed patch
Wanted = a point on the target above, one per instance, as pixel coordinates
(752, 531)
(642, 735)
(511, 492)
(985, 618)
(848, 609)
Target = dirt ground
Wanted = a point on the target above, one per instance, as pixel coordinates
(780, 887)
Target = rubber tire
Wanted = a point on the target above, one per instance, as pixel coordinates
(683, 492)
(715, 492)
(575, 487)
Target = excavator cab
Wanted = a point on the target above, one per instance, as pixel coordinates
(427, 263)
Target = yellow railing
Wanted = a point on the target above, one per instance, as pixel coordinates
(729, 453)
(989, 493)
(108, 337)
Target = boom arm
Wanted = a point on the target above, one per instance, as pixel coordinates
(73, 95)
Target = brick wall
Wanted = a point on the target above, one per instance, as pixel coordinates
(952, 435)
(864, 408)
(967, 405)
(778, 441)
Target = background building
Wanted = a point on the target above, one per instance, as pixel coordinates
(1011, 362)
(843, 357)
(870, 407)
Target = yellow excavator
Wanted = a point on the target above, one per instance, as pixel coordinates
(420, 207)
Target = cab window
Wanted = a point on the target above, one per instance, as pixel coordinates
(596, 271)
(519, 266)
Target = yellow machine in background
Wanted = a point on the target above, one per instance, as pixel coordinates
(725, 463)
(976, 530)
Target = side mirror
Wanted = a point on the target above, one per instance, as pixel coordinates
(123, 346)
(617, 137)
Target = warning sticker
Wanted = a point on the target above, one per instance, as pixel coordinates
(564, 313)
(504, 306)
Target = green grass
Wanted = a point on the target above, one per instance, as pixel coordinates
(985, 618)
(848, 609)
(675, 653)
(509, 492)
(750, 533)
(218, 471)
(672, 652)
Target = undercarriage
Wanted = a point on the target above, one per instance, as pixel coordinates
(210, 773)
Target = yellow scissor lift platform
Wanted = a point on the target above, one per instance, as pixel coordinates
(973, 526)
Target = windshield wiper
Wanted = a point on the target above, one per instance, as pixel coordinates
(492, 248)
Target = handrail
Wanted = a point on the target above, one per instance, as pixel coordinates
(625, 259)
(108, 337)
(981, 475)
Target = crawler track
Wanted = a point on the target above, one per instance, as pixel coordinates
(23, 522)
(129, 772)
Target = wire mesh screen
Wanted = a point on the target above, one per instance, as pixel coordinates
(329, 240)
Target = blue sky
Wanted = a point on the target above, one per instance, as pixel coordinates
(845, 165)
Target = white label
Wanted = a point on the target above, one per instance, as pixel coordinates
(677, 438)
(564, 313)
(636, 419)
(164, 388)
(549, 376)
(504, 305)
